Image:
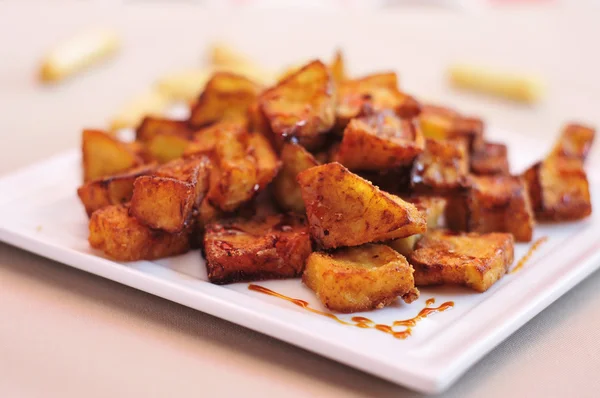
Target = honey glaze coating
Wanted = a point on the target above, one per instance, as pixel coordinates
(362, 322)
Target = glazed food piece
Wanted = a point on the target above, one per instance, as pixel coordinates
(360, 278)
(338, 68)
(575, 141)
(257, 121)
(123, 238)
(239, 250)
(344, 209)
(500, 204)
(559, 189)
(380, 141)
(441, 168)
(153, 126)
(113, 190)
(492, 158)
(373, 93)
(226, 97)
(434, 208)
(165, 200)
(469, 259)
(285, 187)
(104, 155)
(267, 162)
(443, 123)
(301, 106)
(205, 140)
(234, 178)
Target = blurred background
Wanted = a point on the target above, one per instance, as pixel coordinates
(554, 41)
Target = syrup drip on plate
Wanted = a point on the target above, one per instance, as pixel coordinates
(529, 253)
(362, 322)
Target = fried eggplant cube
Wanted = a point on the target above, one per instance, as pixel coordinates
(344, 209)
(302, 105)
(165, 200)
(285, 187)
(104, 155)
(234, 178)
(559, 189)
(267, 161)
(153, 126)
(123, 238)
(380, 141)
(360, 278)
(226, 96)
(373, 93)
(469, 259)
(441, 168)
(434, 208)
(491, 159)
(116, 189)
(241, 250)
(443, 123)
(575, 141)
(500, 204)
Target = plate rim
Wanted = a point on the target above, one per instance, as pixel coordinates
(435, 380)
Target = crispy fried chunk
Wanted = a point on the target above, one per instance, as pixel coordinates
(360, 278)
(470, 259)
(260, 248)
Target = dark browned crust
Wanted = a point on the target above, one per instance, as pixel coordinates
(491, 159)
(559, 189)
(240, 250)
(500, 203)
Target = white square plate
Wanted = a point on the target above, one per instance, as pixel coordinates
(40, 212)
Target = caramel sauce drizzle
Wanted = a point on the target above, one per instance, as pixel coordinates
(362, 322)
(529, 253)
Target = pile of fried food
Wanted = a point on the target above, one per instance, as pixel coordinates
(349, 183)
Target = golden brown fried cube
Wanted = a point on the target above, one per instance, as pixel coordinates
(226, 96)
(285, 187)
(559, 189)
(380, 141)
(257, 121)
(442, 167)
(166, 199)
(360, 278)
(111, 190)
(375, 92)
(344, 209)
(575, 141)
(302, 105)
(239, 250)
(442, 123)
(123, 238)
(434, 208)
(469, 259)
(234, 178)
(104, 155)
(267, 162)
(490, 159)
(338, 68)
(500, 203)
(166, 147)
(205, 140)
(153, 126)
